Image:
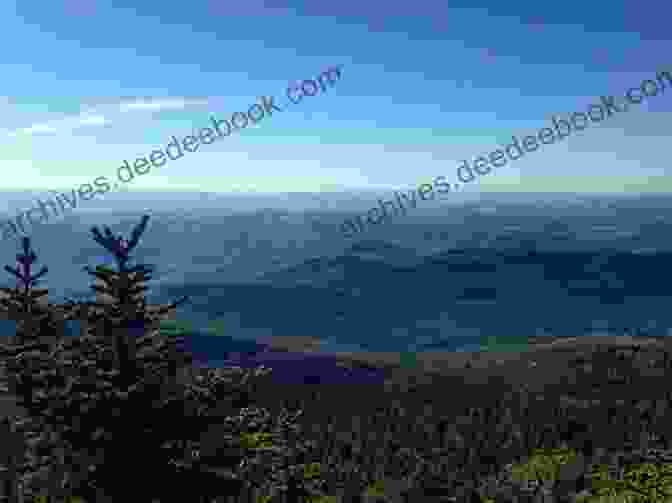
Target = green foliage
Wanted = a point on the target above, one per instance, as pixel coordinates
(543, 464)
(323, 499)
(641, 483)
(216, 327)
(176, 326)
(376, 489)
(408, 360)
(312, 471)
(256, 440)
(505, 343)
(312, 499)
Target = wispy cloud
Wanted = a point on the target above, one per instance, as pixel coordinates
(105, 114)
(63, 125)
(171, 104)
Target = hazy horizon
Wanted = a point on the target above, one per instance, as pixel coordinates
(132, 202)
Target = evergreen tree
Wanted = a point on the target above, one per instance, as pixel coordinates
(134, 425)
(25, 363)
(38, 324)
(122, 379)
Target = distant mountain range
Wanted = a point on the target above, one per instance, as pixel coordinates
(445, 278)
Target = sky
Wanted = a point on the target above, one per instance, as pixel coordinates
(423, 86)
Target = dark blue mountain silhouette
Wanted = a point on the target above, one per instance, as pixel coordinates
(362, 296)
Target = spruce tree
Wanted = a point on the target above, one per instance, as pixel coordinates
(133, 425)
(38, 324)
(123, 378)
(26, 366)
(60, 383)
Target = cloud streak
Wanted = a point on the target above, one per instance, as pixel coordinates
(155, 106)
(104, 115)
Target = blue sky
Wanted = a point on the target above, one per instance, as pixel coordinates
(89, 83)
